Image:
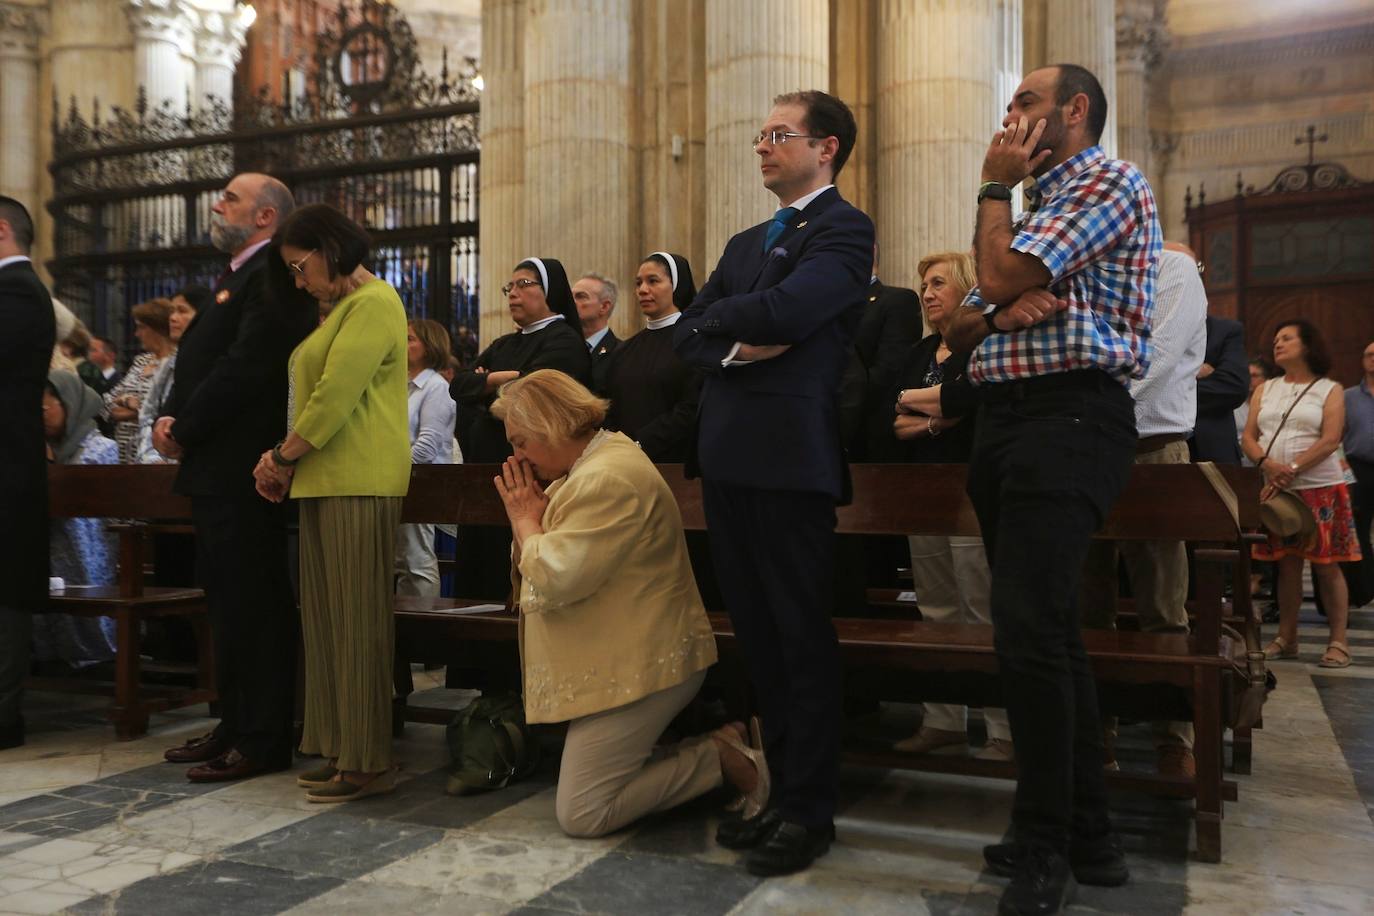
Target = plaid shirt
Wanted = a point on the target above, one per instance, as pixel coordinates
(1097, 233)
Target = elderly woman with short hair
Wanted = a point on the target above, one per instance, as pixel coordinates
(614, 639)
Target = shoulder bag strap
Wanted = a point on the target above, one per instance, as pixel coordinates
(1285, 416)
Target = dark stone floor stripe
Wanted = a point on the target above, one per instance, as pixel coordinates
(216, 887)
(621, 882)
(1348, 702)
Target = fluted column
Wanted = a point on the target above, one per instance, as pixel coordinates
(502, 240)
(945, 73)
(219, 44)
(19, 159)
(1083, 32)
(1140, 40)
(581, 166)
(161, 30)
(754, 51)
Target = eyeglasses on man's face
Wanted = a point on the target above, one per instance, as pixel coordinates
(779, 137)
(522, 283)
(298, 267)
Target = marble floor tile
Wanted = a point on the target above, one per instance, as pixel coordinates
(482, 865)
(214, 886)
(1318, 858)
(334, 845)
(361, 898)
(199, 826)
(76, 809)
(47, 773)
(1212, 894)
(815, 894)
(422, 801)
(621, 883)
(73, 870)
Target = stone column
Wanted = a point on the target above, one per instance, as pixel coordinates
(1140, 41)
(942, 85)
(19, 109)
(502, 241)
(219, 44)
(581, 165)
(162, 31)
(754, 51)
(1083, 32)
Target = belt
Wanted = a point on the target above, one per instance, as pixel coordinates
(1147, 444)
(1077, 379)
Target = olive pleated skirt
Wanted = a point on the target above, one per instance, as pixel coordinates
(348, 548)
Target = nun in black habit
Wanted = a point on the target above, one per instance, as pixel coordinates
(548, 337)
(653, 393)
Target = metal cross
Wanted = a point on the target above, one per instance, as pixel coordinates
(1311, 140)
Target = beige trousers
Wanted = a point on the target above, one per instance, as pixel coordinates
(954, 584)
(1158, 572)
(607, 780)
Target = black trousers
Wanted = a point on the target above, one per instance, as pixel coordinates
(242, 563)
(774, 554)
(1050, 457)
(1362, 504)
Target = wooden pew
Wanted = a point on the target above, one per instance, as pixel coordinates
(139, 502)
(1181, 675)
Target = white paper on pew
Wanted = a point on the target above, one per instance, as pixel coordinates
(474, 609)
(907, 596)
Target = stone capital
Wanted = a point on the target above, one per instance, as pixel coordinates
(1141, 33)
(161, 20)
(219, 39)
(20, 29)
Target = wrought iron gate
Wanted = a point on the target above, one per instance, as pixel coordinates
(368, 132)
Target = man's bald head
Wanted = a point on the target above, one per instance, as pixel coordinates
(1179, 246)
(249, 211)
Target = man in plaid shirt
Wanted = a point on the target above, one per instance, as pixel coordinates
(1058, 325)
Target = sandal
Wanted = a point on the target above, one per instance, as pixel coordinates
(1280, 649)
(1331, 661)
(757, 800)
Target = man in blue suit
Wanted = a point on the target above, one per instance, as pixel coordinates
(773, 326)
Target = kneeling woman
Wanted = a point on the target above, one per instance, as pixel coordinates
(614, 639)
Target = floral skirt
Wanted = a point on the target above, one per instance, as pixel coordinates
(1335, 540)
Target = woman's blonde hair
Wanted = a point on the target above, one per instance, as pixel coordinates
(961, 268)
(551, 406)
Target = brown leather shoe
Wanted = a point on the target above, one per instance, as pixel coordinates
(197, 750)
(1176, 760)
(228, 767)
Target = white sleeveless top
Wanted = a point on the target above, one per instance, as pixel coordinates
(1302, 429)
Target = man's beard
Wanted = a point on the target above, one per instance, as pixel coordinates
(1051, 139)
(226, 236)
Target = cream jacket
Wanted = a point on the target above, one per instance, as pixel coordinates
(610, 611)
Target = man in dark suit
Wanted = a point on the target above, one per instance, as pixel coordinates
(25, 350)
(1222, 386)
(595, 296)
(228, 406)
(773, 327)
(890, 325)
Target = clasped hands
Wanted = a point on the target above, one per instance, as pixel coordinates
(272, 481)
(1277, 476)
(521, 493)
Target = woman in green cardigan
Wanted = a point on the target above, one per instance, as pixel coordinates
(346, 460)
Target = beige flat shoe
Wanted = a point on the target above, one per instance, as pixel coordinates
(1329, 660)
(341, 790)
(757, 800)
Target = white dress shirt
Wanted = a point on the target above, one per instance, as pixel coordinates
(597, 338)
(432, 415)
(13, 259)
(242, 257)
(1166, 398)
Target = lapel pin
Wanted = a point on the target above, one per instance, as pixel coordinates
(222, 296)
(801, 225)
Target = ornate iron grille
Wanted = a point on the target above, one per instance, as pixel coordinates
(369, 132)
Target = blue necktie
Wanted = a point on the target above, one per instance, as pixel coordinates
(776, 227)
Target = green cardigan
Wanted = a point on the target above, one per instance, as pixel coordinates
(348, 383)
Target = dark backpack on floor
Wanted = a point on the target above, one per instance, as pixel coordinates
(491, 745)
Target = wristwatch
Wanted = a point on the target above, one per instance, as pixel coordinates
(994, 189)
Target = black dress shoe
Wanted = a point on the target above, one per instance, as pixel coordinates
(230, 766)
(1043, 885)
(197, 750)
(12, 735)
(746, 834)
(790, 848)
(1099, 862)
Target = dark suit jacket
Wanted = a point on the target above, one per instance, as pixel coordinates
(229, 384)
(601, 361)
(890, 326)
(1219, 394)
(25, 350)
(774, 424)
